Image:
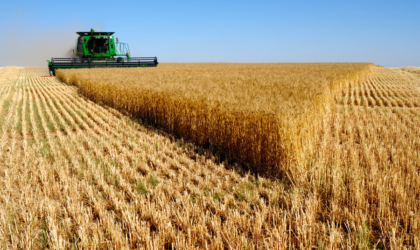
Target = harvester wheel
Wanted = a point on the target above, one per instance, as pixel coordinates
(119, 59)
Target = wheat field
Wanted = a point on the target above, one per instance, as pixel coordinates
(220, 105)
(75, 174)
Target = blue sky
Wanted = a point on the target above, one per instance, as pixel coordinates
(383, 32)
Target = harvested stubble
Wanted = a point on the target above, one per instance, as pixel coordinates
(254, 114)
(369, 156)
(411, 69)
(410, 72)
(77, 175)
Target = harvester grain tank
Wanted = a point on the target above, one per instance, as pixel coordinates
(99, 49)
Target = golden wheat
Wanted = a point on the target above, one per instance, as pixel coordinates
(250, 113)
(74, 174)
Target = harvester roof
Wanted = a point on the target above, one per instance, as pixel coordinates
(88, 33)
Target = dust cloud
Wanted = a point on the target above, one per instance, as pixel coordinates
(31, 46)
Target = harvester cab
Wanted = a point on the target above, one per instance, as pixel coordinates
(99, 49)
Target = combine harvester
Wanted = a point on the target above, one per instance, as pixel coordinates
(98, 49)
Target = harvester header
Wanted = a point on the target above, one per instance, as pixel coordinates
(99, 49)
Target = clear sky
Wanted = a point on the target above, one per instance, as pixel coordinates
(383, 32)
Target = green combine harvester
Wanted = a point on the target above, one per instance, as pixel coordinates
(99, 49)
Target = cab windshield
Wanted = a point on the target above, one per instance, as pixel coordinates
(98, 45)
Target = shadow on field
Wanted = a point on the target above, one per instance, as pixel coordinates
(192, 150)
